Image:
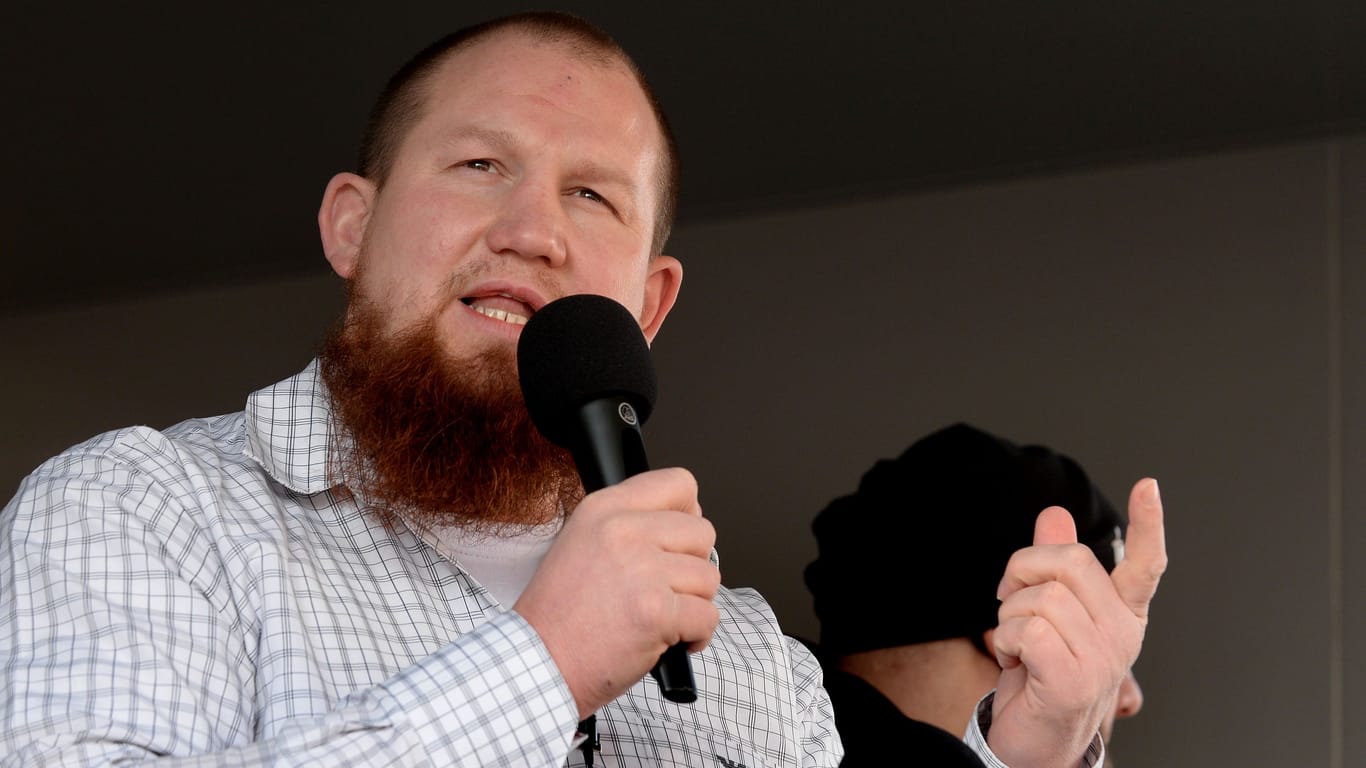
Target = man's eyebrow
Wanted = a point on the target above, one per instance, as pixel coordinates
(600, 173)
(493, 137)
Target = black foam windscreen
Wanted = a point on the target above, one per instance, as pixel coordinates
(578, 349)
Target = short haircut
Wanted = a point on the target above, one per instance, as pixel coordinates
(400, 105)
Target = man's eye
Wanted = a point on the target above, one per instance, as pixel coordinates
(589, 194)
(479, 165)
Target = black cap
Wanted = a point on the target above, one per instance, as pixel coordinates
(917, 552)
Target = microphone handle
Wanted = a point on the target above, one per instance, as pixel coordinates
(615, 450)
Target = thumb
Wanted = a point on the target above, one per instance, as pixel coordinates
(1136, 577)
(1055, 526)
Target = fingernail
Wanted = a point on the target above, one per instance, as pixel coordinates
(1154, 495)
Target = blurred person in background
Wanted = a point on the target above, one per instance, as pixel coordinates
(949, 512)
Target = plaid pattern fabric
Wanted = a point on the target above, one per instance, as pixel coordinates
(203, 592)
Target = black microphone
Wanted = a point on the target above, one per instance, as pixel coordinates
(589, 383)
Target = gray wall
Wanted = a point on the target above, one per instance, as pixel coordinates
(1201, 320)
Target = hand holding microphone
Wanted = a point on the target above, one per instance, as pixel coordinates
(629, 576)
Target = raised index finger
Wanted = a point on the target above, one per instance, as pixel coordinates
(1056, 556)
(1145, 549)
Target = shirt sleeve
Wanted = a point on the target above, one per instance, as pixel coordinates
(118, 645)
(821, 745)
(976, 738)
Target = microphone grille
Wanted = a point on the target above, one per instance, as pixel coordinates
(577, 349)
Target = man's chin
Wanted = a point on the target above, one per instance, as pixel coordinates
(438, 436)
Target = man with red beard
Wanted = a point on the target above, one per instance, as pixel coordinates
(379, 562)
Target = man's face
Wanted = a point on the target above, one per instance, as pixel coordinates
(530, 175)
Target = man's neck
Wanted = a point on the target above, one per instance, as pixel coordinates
(939, 682)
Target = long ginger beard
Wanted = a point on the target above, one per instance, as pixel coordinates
(439, 441)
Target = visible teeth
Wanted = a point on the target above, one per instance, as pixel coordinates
(498, 314)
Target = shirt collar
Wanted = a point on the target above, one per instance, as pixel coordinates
(289, 431)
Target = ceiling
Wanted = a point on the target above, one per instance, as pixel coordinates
(150, 147)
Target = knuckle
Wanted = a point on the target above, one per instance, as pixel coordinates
(1054, 591)
(708, 532)
(1016, 560)
(617, 530)
(590, 507)
(1079, 556)
(1015, 565)
(1007, 633)
(609, 529)
(1035, 629)
(652, 608)
(683, 477)
(1158, 566)
(711, 581)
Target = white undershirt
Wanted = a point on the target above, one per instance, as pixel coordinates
(501, 564)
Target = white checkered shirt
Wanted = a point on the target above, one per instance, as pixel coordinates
(204, 592)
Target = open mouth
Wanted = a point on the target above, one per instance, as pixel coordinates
(500, 306)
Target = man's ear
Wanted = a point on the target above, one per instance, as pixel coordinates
(661, 291)
(342, 217)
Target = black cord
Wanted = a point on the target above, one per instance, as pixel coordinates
(589, 727)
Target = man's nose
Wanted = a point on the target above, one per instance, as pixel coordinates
(531, 224)
(1130, 699)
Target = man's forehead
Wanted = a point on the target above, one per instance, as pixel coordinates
(499, 63)
(608, 95)
(514, 64)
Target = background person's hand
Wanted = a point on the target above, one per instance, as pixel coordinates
(1069, 632)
